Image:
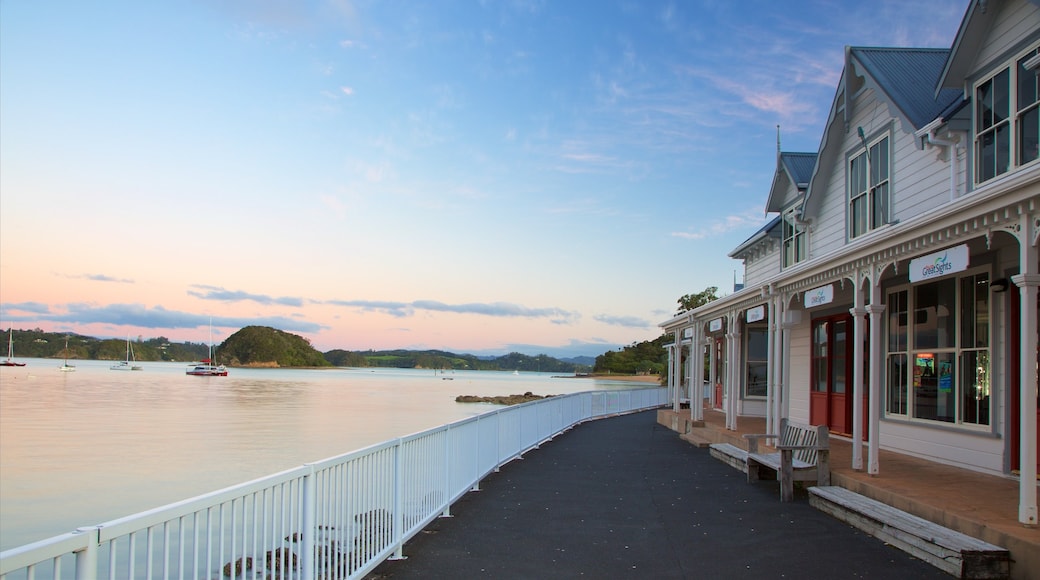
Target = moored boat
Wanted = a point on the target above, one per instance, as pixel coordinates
(9, 361)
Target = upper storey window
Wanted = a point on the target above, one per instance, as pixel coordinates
(794, 238)
(1007, 124)
(869, 188)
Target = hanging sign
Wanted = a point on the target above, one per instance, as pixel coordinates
(755, 314)
(948, 261)
(715, 325)
(819, 296)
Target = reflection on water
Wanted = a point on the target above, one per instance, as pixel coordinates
(83, 448)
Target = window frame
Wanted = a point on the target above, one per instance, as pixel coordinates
(794, 238)
(868, 192)
(1003, 145)
(902, 353)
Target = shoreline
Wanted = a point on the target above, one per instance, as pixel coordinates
(656, 379)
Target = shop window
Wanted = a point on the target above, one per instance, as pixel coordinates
(757, 349)
(938, 359)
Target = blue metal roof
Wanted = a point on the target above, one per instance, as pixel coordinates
(909, 76)
(799, 166)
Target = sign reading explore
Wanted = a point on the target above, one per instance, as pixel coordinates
(948, 261)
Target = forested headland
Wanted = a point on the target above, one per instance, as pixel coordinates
(263, 346)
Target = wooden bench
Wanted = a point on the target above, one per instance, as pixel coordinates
(729, 454)
(949, 550)
(803, 454)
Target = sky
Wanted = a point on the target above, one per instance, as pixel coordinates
(545, 177)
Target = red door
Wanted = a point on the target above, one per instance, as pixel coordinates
(830, 400)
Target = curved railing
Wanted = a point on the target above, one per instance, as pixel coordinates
(335, 518)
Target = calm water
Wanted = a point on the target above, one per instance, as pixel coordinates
(83, 448)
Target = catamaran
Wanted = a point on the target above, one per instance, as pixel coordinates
(205, 367)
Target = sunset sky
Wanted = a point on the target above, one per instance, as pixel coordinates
(473, 176)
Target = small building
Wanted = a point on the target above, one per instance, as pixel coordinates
(894, 296)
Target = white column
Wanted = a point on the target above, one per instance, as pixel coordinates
(733, 364)
(857, 313)
(876, 310)
(791, 319)
(779, 362)
(676, 371)
(696, 375)
(713, 364)
(770, 365)
(1027, 284)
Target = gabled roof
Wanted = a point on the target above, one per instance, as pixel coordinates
(909, 76)
(793, 168)
(770, 230)
(974, 28)
(799, 167)
(905, 78)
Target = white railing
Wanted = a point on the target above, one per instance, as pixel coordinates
(336, 518)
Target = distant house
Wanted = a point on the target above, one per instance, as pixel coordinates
(894, 296)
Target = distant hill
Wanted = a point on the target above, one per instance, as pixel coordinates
(584, 361)
(438, 359)
(263, 346)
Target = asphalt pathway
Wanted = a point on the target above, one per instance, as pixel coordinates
(626, 498)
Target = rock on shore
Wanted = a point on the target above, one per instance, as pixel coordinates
(501, 399)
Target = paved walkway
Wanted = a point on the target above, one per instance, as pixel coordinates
(625, 497)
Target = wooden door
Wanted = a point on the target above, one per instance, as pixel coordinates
(830, 400)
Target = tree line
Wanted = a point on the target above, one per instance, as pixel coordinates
(266, 346)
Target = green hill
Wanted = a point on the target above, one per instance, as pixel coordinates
(263, 346)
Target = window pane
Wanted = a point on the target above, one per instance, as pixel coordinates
(1003, 149)
(1027, 83)
(1001, 96)
(879, 202)
(838, 357)
(756, 380)
(934, 315)
(975, 387)
(934, 396)
(975, 311)
(1029, 136)
(897, 380)
(984, 106)
(820, 357)
(859, 216)
(985, 150)
(758, 343)
(897, 321)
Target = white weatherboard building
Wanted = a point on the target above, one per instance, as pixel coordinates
(894, 296)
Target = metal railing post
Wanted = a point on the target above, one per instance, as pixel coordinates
(86, 559)
(398, 502)
(308, 525)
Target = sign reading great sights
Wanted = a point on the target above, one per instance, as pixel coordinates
(948, 261)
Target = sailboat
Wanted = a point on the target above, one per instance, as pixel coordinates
(127, 365)
(10, 362)
(205, 367)
(65, 366)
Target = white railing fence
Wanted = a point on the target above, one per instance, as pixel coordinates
(336, 518)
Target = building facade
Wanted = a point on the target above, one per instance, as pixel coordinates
(894, 297)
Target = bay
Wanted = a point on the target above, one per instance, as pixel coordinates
(82, 448)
